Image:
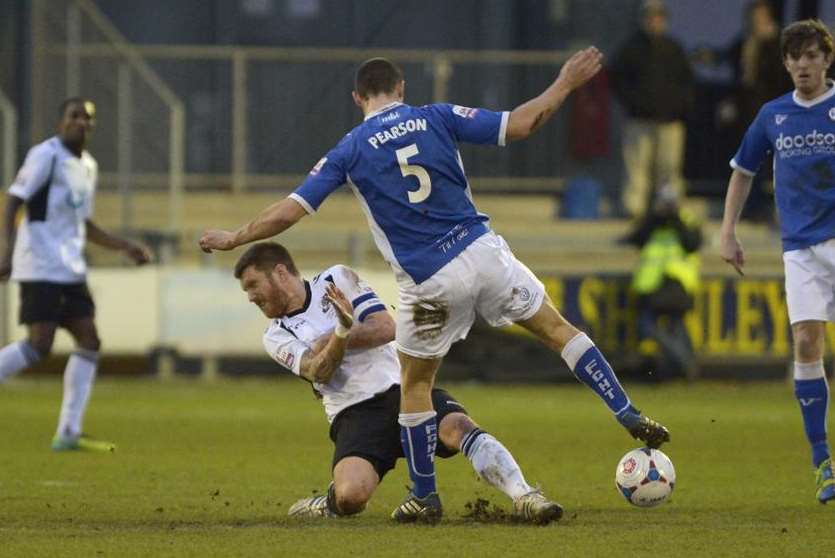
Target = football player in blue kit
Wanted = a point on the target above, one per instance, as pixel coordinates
(403, 164)
(799, 129)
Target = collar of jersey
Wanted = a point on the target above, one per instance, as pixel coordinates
(819, 99)
(306, 304)
(66, 150)
(383, 109)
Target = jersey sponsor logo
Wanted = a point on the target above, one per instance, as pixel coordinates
(401, 129)
(464, 112)
(780, 118)
(812, 143)
(318, 166)
(286, 358)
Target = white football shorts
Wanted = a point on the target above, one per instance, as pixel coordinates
(485, 279)
(810, 282)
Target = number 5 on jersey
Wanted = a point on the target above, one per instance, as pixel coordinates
(417, 171)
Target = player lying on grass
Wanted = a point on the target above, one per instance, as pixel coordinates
(334, 332)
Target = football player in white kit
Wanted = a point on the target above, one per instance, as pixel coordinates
(799, 129)
(45, 255)
(334, 332)
(403, 164)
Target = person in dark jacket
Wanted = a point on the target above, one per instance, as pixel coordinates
(652, 78)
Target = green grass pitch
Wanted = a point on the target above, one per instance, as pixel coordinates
(210, 469)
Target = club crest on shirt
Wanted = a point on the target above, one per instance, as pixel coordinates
(832, 113)
(464, 112)
(780, 118)
(325, 303)
(318, 167)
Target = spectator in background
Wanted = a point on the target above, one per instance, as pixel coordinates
(666, 281)
(652, 78)
(760, 77)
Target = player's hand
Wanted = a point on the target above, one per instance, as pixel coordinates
(581, 67)
(344, 310)
(139, 253)
(731, 251)
(215, 239)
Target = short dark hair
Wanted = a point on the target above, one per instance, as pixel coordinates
(375, 76)
(71, 101)
(265, 256)
(800, 34)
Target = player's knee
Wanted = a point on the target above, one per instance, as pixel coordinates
(352, 497)
(808, 342)
(453, 428)
(90, 343)
(41, 344)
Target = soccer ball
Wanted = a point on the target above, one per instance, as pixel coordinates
(645, 477)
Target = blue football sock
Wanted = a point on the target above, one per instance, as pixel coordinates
(591, 368)
(419, 436)
(813, 396)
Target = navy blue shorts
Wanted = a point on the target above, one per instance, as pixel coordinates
(369, 429)
(59, 303)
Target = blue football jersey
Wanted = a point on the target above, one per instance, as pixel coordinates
(801, 135)
(403, 165)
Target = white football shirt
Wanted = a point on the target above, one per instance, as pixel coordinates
(57, 189)
(363, 372)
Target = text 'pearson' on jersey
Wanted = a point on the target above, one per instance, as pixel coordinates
(403, 165)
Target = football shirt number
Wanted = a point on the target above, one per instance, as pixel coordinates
(414, 170)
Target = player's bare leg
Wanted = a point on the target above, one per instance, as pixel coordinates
(591, 368)
(812, 393)
(418, 436)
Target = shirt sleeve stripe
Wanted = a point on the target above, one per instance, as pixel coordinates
(743, 170)
(503, 128)
(362, 298)
(302, 202)
(371, 310)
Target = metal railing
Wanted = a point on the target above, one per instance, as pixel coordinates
(441, 66)
(82, 17)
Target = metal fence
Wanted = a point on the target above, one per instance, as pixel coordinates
(259, 117)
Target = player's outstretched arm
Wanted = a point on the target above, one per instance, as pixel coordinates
(529, 117)
(134, 250)
(739, 186)
(13, 203)
(321, 361)
(273, 220)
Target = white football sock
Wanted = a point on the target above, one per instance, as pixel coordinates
(78, 383)
(494, 464)
(16, 357)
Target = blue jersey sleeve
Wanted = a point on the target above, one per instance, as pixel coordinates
(326, 176)
(474, 125)
(755, 145)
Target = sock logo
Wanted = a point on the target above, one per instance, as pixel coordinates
(806, 401)
(596, 374)
(431, 440)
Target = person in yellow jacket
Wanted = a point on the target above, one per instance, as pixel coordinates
(666, 280)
